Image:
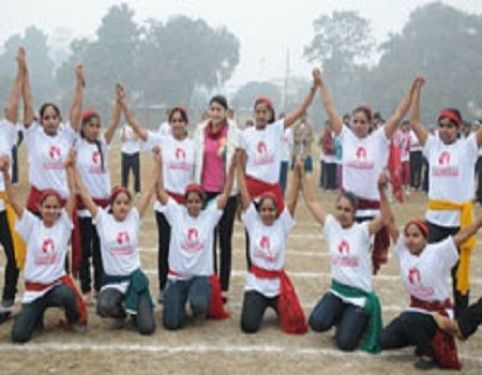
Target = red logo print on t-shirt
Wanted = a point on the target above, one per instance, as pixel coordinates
(264, 243)
(54, 152)
(180, 154)
(262, 147)
(444, 158)
(192, 234)
(414, 276)
(123, 237)
(344, 247)
(361, 153)
(48, 245)
(96, 157)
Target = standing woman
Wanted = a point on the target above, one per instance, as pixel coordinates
(267, 284)
(177, 152)
(350, 304)
(47, 238)
(125, 288)
(215, 142)
(93, 165)
(130, 154)
(365, 155)
(451, 191)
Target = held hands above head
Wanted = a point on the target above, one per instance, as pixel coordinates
(4, 163)
(21, 61)
(119, 93)
(317, 79)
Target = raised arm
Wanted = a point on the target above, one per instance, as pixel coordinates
(116, 114)
(131, 119)
(162, 195)
(294, 115)
(308, 186)
(464, 234)
(12, 200)
(11, 112)
(70, 171)
(293, 191)
(400, 112)
(385, 212)
(417, 127)
(146, 197)
(329, 105)
(84, 193)
(228, 184)
(28, 112)
(243, 189)
(76, 107)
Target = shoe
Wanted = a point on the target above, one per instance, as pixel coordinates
(7, 306)
(88, 298)
(4, 316)
(425, 363)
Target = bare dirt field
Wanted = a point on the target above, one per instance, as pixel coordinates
(219, 347)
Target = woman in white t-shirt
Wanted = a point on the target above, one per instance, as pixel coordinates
(267, 284)
(93, 165)
(191, 277)
(47, 239)
(125, 288)
(350, 304)
(177, 152)
(365, 155)
(451, 191)
(425, 269)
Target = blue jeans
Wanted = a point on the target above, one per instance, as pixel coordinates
(351, 320)
(177, 293)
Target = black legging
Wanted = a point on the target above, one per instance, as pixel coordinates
(131, 162)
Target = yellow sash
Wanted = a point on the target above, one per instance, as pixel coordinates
(18, 244)
(466, 218)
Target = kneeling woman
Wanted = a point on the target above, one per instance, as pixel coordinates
(425, 270)
(351, 303)
(125, 288)
(267, 284)
(191, 274)
(47, 239)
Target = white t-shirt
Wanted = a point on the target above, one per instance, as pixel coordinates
(264, 151)
(132, 143)
(451, 175)
(177, 163)
(119, 242)
(8, 135)
(46, 156)
(192, 238)
(363, 161)
(287, 143)
(267, 248)
(164, 129)
(351, 261)
(46, 250)
(427, 276)
(96, 179)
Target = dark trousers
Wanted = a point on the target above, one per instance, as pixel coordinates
(254, 306)
(11, 270)
(283, 176)
(109, 305)
(410, 329)
(470, 319)
(426, 175)
(330, 176)
(322, 174)
(164, 238)
(14, 165)
(351, 320)
(478, 172)
(196, 291)
(90, 249)
(131, 162)
(31, 316)
(437, 233)
(224, 233)
(416, 161)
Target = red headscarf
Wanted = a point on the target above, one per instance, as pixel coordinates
(116, 190)
(265, 100)
(48, 192)
(451, 115)
(420, 224)
(89, 112)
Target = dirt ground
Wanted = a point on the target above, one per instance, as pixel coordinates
(219, 347)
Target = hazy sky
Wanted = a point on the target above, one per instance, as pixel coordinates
(265, 28)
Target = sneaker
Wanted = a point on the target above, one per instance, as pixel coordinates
(424, 364)
(7, 306)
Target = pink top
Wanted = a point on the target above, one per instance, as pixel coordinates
(213, 173)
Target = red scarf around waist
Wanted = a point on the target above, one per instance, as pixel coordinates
(443, 344)
(257, 187)
(67, 281)
(292, 317)
(179, 198)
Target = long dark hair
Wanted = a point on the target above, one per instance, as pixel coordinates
(87, 116)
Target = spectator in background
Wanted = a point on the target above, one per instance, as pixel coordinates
(286, 145)
(130, 157)
(478, 166)
(327, 143)
(302, 141)
(18, 141)
(416, 161)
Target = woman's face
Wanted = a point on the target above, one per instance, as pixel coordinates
(415, 241)
(360, 124)
(50, 210)
(262, 114)
(267, 211)
(178, 125)
(50, 120)
(217, 113)
(194, 204)
(447, 131)
(121, 206)
(91, 129)
(344, 212)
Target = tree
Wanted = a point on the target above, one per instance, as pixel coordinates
(246, 95)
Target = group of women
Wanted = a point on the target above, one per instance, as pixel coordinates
(197, 184)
